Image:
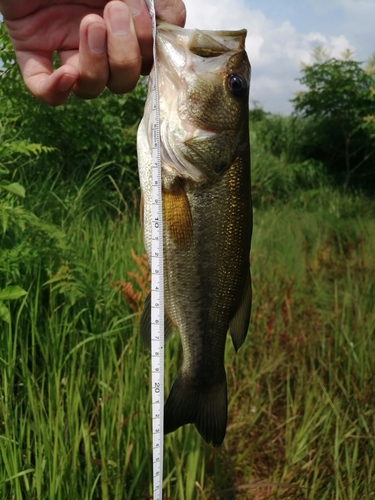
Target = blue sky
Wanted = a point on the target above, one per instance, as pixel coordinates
(282, 35)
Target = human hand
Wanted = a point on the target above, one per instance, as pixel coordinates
(99, 42)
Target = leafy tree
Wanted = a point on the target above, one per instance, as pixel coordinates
(340, 102)
(78, 134)
(55, 163)
(282, 136)
(7, 54)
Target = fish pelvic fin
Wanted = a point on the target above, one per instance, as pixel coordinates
(145, 325)
(205, 407)
(239, 324)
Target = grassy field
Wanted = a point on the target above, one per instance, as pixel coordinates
(75, 416)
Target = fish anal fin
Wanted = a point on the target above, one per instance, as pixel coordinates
(239, 324)
(206, 407)
(177, 215)
(145, 324)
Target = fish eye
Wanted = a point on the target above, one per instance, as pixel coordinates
(237, 84)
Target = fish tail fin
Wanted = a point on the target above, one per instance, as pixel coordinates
(206, 407)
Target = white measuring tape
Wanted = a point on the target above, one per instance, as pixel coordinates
(157, 287)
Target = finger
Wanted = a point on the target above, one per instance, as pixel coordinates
(171, 11)
(124, 54)
(93, 62)
(48, 86)
(143, 28)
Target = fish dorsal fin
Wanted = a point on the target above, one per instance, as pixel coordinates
(204, 45)
(239, 324)
(177, 216)
(145, 324)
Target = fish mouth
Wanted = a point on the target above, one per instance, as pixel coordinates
(189, 63)
(176, 48)
(207, 42)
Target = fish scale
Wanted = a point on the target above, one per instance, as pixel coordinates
(204, 80)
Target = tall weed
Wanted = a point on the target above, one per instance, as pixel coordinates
(75, 416)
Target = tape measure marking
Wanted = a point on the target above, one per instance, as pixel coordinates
(157, 286)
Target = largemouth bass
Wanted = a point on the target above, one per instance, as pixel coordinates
(203, 81)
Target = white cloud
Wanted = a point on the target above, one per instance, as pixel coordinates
(348, 5)
(276, 50)
(358, 17)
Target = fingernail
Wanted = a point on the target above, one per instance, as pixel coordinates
(134, 6)
(120, 21)
(96, 38)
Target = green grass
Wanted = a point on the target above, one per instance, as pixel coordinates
(75, 410)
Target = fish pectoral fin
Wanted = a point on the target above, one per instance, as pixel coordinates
(177, 215)
(239, 324)
(145, 324)
(202, 406)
